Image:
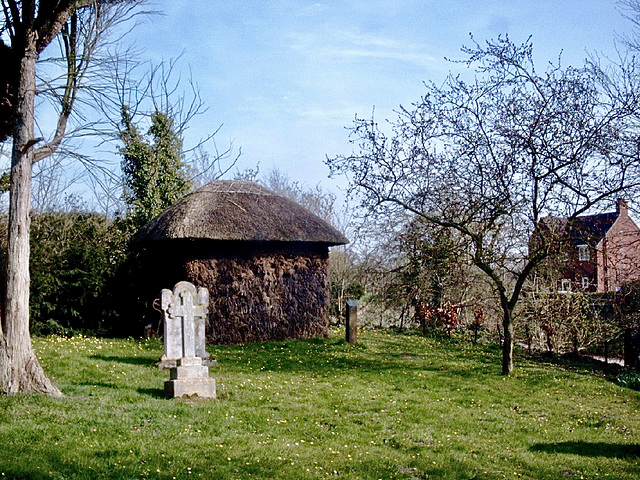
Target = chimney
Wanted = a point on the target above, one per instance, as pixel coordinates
(621, 208)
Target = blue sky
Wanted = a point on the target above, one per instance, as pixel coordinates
(285, 78)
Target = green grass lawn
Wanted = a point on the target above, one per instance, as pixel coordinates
(392, 406)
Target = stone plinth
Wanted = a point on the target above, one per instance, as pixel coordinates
(189, 378)
(168, 363)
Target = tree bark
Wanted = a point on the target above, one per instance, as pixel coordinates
(20, 371)
(507, 345)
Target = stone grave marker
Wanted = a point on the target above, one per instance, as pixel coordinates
(172, 324)
(184, 311)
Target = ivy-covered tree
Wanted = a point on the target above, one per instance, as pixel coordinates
(155, 174)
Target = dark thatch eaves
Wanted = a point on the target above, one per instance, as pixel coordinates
(239, 211)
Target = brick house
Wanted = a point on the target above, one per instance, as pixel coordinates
(600, 252)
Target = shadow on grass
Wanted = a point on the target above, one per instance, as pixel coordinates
(153, 392)
(147, 362)
(98, 384)
(27, 475)
(581, 364)
(590, 449)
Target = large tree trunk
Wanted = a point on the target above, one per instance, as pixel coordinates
(507, 345)
(20, 371)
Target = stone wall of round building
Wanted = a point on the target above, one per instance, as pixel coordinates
(268, 294)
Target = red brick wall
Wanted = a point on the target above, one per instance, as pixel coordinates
(618, 254)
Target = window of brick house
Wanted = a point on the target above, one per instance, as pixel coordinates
(583, 253)
(565, 285)
(585, 283)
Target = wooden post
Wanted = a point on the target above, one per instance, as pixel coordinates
(628, 349)
(351, 323)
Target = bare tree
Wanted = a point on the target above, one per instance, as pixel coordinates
(30, 26)
(491, 157)
(315, 199)
(630, 9)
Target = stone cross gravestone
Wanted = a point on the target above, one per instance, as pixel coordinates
(184, 311)
(172, 315)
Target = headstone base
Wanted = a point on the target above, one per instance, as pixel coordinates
(202, 387)
(167, 363)
(190, 377)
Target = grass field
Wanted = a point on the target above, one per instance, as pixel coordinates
(393, 406)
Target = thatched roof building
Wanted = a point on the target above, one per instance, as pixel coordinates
(232, 210)
(263, 257)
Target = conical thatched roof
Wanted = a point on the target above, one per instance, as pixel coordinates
(237, 210)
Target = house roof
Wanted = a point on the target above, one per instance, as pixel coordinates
(587, 229)
(238, 210)
(590, 229)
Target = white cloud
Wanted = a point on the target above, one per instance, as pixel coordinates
(313, 10)
(344, 44)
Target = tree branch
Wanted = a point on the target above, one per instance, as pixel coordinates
(51, 20)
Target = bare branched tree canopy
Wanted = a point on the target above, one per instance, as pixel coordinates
(489, 158)
(630, 9)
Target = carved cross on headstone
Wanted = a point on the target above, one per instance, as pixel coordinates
(184, 312)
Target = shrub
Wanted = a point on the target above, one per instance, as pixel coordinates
(73, 261)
